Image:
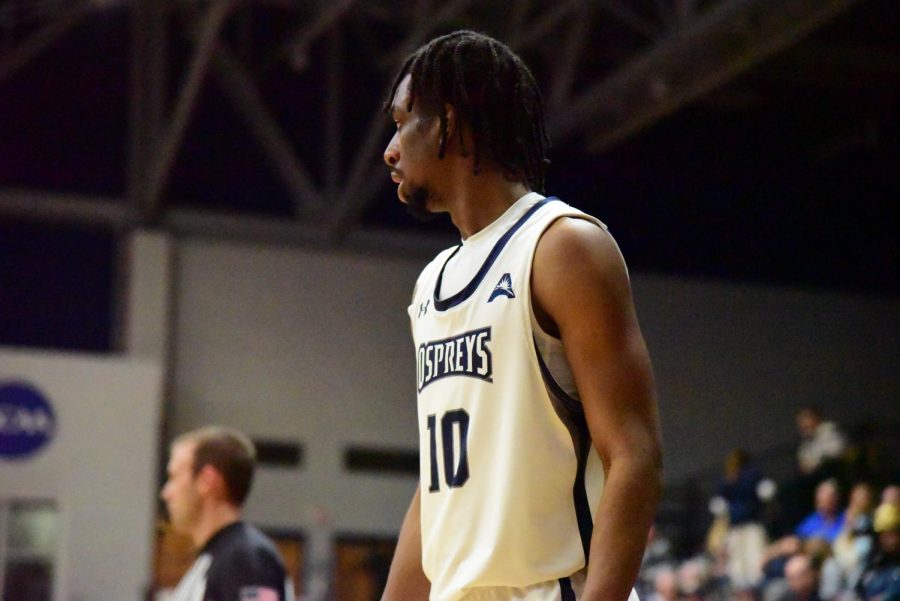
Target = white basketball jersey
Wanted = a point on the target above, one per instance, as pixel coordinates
(509, 477)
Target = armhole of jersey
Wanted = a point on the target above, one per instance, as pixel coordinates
(536, 328)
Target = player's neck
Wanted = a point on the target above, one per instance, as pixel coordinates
(213, 519)
(476, 201)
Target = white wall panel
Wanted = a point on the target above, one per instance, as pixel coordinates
(100, 467)
(315, 347)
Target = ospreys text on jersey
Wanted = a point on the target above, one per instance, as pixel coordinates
(466, 354)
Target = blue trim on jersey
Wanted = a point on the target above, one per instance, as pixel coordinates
(566, 592)
(570, 402)
(448, 303)
(582, 506)
(582, 440)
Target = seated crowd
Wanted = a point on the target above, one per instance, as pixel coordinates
(836, 552)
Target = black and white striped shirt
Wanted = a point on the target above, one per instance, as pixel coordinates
(239, 563)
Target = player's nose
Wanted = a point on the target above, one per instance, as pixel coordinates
(392, 152)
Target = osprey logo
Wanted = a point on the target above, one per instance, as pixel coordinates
(503, 288)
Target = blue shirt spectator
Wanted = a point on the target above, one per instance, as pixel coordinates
(828, 519)
(817, 525)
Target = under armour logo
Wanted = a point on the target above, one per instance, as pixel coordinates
(503, 288)
(423, 307)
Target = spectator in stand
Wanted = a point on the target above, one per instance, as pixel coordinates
(745, 541)
(881, 581)
(658, 557)
(824, 523)
(854, 544)
(802, 579)
(820, 441)
(821, 446)
(694, 581)
(891, 495)
(775, 559)
(665, 586)
(827, 520)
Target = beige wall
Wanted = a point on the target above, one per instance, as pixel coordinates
(100, 468)
(295, 344)
(306, 346)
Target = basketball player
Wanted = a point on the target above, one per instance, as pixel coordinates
(535, 392)
(209, 476)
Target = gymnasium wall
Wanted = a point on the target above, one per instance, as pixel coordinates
(733, 362)
(299, 345)
(98, 467)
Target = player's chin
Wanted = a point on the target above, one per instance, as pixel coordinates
(417, 204)
(404, 192)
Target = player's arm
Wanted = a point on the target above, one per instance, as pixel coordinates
(581, 292)
(406, 580)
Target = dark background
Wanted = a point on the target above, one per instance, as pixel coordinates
(786, 175)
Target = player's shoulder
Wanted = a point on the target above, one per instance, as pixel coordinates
(576, 237)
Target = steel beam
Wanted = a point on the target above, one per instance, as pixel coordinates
(544, 24)
(212, 24)
(40, 40)
(830, 65)
(220, 225)
(564, 74)
(241, 91)
(115, 213)
(147, 98)
(325, 22)
(716, 48)
(33, 205)
(260, 230)
(334, 97)
(626, 15)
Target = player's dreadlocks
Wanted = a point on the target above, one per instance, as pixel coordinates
(492, 91)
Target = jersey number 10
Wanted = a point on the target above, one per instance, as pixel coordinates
(453, 423)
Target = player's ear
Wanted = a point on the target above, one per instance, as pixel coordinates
(450, 112)
(454, 134)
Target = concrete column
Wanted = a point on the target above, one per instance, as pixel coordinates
(147, 315)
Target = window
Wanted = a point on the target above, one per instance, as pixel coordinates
(29, 534)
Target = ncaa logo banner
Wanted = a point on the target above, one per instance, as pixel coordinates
(27, 420)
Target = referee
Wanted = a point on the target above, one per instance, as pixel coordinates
(209, 476)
